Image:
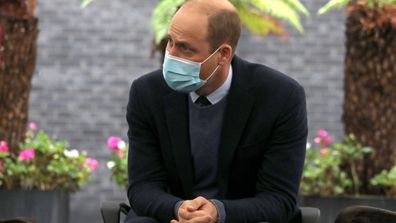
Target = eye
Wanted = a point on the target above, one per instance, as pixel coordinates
(185, 49)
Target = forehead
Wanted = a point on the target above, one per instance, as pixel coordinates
(189, 25)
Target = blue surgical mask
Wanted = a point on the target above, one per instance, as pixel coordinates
(183, 75)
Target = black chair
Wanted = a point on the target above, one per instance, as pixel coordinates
(111, 212)
(365, 214)
(18, 220)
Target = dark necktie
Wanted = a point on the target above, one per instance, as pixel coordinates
(202, 101)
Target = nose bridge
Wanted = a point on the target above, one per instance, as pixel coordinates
(172, 50)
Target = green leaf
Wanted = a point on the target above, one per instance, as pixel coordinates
(281, 10)
(333, 4)
(162, 17)
(298, 6)
(85, 3)
(257, 22)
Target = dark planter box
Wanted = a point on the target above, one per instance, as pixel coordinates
(42, 206)
(330, 207)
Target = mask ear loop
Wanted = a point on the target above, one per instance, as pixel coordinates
(212, 73)
(215, 68)
(210, 55)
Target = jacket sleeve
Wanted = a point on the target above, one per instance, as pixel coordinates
(281, 168)
(147, 190)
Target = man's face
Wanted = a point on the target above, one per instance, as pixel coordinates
(187, 38)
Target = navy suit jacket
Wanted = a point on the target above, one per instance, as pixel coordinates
(261, 152)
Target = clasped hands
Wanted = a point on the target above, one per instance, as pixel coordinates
(199, 210)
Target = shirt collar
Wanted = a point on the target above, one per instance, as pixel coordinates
(219, 93)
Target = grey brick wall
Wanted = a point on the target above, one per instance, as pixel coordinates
(88, 59)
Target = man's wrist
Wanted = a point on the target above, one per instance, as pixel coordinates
(220, 210)
(177, 206)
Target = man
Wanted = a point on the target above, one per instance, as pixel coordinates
(235, 155)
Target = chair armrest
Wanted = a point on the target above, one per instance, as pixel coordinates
(310, 215)
(111, 211)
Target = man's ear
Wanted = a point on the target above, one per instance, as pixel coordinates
(225, 54)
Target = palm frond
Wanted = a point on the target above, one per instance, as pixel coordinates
(298, 6)
(259, 16)
(279, 9)
(332, 4)
(85, 3)
(259, 22)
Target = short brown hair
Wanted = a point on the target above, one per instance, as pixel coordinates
(224, 26)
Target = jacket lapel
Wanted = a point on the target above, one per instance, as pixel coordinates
(239, 105)
(176, 112)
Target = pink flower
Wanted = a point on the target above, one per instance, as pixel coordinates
(324, 151)
(3, 146)
(113, 141)
(33, 126)
(92, 163)
(322, 133)
(317, 140)
(328, 140)
(26, 154)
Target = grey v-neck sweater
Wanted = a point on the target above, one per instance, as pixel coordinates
(205, 131)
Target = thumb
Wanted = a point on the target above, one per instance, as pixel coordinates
(196, 204)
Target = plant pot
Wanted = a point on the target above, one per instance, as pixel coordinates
(331, 206)
(42, 206)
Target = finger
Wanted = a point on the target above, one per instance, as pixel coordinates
(202, 219)
(174, 221)
(197, 203)
(189, 215)
(188, 205)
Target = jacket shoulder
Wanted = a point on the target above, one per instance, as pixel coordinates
(256, 76)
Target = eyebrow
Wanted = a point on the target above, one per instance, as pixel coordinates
(181, 43)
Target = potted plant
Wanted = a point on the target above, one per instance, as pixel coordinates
(331, 179)
(39, 175)
(369, 81)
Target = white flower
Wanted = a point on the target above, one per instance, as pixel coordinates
(308, 145)
(71, 153)
(110, 164)
(121, 145)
